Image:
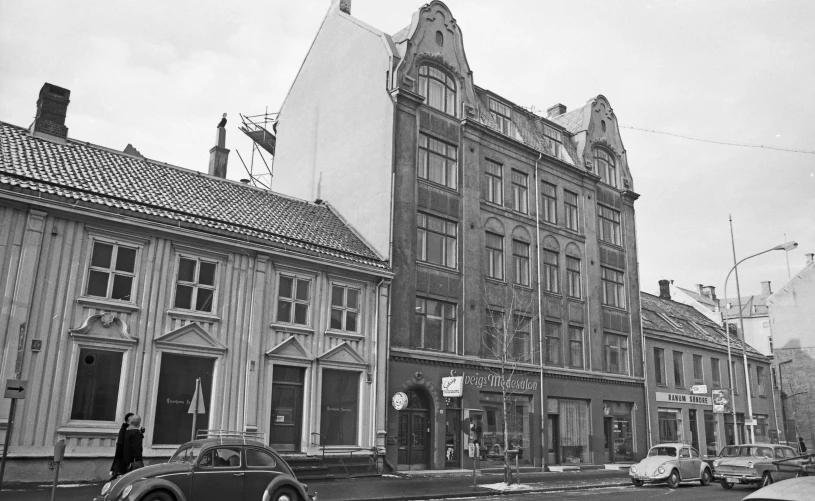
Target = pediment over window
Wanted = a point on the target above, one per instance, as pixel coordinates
(191, 337)
(290, 349)
(105, 327)
(342, 354)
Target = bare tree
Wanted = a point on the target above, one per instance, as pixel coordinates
(508, 341)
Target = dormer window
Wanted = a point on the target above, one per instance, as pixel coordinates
(554, 139)
(438, 89)
(502, 115)
(606, 168)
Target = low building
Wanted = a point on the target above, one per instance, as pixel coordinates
(688, 362)
(126, 280)
(756, 318)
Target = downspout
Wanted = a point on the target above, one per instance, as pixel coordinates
(644, 349)
(375, 367)
(540, 316)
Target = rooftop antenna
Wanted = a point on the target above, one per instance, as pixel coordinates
(261, 130)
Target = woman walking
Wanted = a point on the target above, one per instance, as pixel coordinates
(132, 445)
(117, 468)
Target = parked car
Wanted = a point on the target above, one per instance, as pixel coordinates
(211, 469)
(793, 489)
(754, 464)
(672, 464)
(725, 452)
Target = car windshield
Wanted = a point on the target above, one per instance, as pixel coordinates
(756, 451)
(186, 454)
(728, 452)
(663, 451)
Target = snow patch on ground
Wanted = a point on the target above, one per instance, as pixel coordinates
(502, 486)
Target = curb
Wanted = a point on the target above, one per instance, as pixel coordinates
(485, 493)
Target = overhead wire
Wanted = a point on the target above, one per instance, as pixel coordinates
(726, 143)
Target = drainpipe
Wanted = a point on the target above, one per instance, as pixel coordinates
(540, 316)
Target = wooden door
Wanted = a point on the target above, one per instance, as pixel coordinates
(414, 434)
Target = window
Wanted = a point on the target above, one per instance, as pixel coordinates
(293, 298)
(659, 366)
(436, 240)
(616, 353)
(96, 390)
(609, 225)
(606, 168)
(575, 347)
(613, 287)
(734, 379)
(438, 89)
(195, 285)
(552, 354)
(550, 271)
(339, 407)
(494, 183)
(344, 308)
(520, 255)
(520, 192)
(502, 115)
(711, 432)
(520, 351)
(715, 375)
(760, 381)
(434, 326)
(554, 140)
(256, 458)
(570, 202)
(573, 277)
(670, 425)
(679, 370)
(753, 386)
(495, 256)
(698, 373)
(493, 335)
(176, 384)
(116, 261)
(550, 203)
(437, 162)
(222, 457)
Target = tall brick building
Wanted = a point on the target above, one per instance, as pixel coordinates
(474, 200)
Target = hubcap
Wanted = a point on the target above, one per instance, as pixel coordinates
(284, 497)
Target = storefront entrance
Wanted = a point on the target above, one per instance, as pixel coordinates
(414, 433)
(287, 408)
(452, 439)
(552, 436)
(694, 429)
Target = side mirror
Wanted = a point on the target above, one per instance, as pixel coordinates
(705, 456)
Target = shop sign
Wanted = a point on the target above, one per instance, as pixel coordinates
(721, 401)
(683, 398)
(452, 386)
(399, 400)
(699, 389)
(496, 381)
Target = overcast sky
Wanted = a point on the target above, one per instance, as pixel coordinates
(159, 74)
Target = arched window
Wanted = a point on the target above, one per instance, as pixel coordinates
(606, 168)
(438, 89)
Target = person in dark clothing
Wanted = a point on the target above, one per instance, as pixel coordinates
(132, 445)
(117, 468)
(802, 447)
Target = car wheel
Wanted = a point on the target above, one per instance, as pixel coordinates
(673, 479)
(726, 484)
(705, 480)
(158, 496)
(285, 494)
(766, 479)
(637, 483)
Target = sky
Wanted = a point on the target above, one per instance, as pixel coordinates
(159, 74)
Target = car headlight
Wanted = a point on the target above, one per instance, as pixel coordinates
(127, 490)
(106, 488)
(633, 469)
(661, 470)
(750, 464)
(716, 463)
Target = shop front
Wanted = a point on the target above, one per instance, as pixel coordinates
(686, 418)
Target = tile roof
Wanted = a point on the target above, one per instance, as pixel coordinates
(401, 35)
(119, 182)
(689, 323)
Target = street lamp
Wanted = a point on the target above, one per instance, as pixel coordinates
(787, 246)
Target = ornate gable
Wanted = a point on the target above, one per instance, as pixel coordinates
(191, 337)
(342, 354)
(105, 327)
(290, 349)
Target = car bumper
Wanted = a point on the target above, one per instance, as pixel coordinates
(649, 479)
(740, 478)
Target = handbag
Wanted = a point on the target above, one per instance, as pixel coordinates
(135, 465)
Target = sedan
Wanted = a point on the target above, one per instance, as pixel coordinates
(758, 464)
(672, 464)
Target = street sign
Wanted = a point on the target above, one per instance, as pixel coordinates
(751, 422)
(15, 388)
(698, 389)
(197, 404)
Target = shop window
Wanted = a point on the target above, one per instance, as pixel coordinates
(549, 203)
(176, 387)
(610, 230)
(616, 353)
(574, 431)
(112, 271)
(659, 367)
(520, 257)
(698, 373)
(715, 375)
(518, 423)
(436, 240)
(520, 192)
(195, 284)
(570, 203)
(339, 407)
(550, 271)
(552, 348)
(495, 256)
(679, 370)
(437, 162)
(670, 425)
(493, 183)
(573, 280)
(293, 299)
(761, 429)
(344, 308)
(96, 390)
(575, 347)
(613, 287)
(711, 433)
(438, 89)
(434, 325)
(622, 431)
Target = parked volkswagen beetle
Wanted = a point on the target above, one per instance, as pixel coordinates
(672, 464)
(211, 469)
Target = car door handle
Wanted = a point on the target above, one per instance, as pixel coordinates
(238, 474)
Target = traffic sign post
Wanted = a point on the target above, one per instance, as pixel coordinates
(15, 390)
(197, 405)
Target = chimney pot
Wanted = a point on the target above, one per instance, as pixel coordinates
(219, 155)
(765, 289)
(345, 6)
(709, 291)
(52, 108)
(556, 110)
(665, 289)
(810, 258)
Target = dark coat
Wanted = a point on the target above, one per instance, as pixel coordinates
(117, 468)
(131, 447)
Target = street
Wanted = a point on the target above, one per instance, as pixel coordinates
(629, 493)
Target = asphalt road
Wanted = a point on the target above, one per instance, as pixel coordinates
(714, 492)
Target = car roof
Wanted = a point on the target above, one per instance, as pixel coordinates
(227, 441)
(671, 444)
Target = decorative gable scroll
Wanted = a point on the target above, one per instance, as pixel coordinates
(342, 354)
(191, 337)
(290, 349)
(105, 327)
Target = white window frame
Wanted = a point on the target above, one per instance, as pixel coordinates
(295, 276)
(112, 237)
(520, 192)
(549, 202)
(494, 184)
(572, 216)
(360, 301)
(195, 285)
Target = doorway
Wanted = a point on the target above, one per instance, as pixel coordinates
(694, 429)
(552, 438)
(287, 408)
(452, 439)
(414, 433)
(608, 436)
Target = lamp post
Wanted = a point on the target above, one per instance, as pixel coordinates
(787, 246)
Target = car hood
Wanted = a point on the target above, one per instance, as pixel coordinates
(741, 461)
(794, 489)
(151, 471)
(650, 464)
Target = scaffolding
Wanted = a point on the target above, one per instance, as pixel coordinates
(261, 130)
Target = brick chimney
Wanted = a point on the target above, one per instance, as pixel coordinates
(218, 155)
(52, 107)
(345, 6)
(556, 110)
(665, 289)
(810, 258)
(765, 289)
